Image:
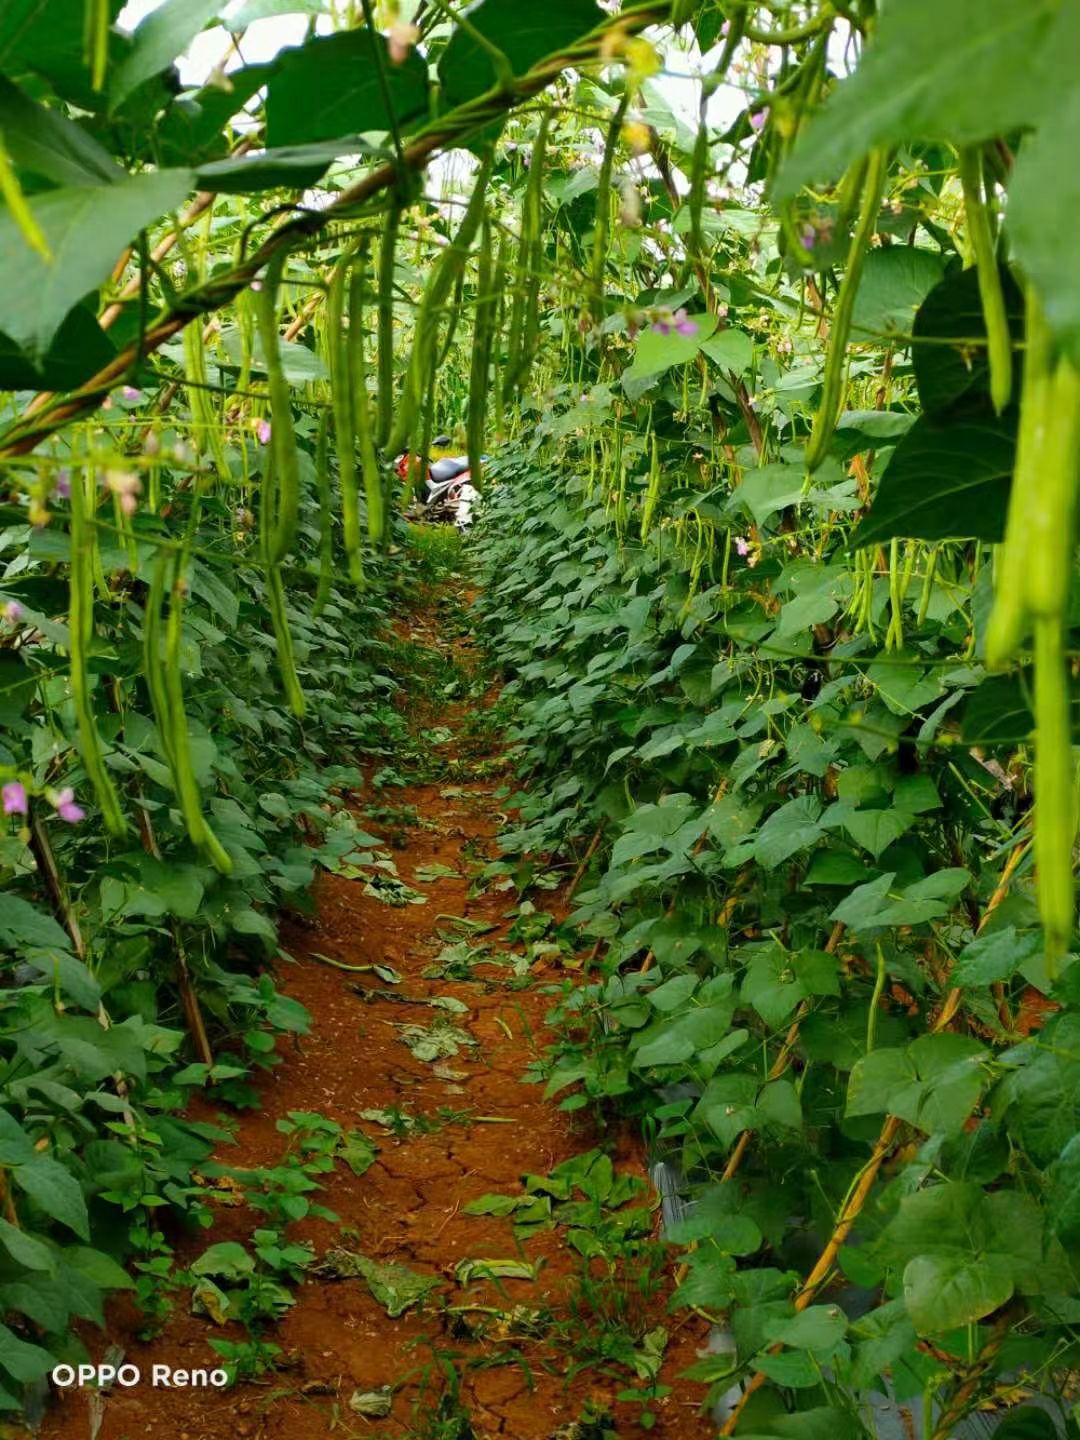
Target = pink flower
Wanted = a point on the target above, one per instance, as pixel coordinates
(15, 801)
(742, 546)
(62, 487)
(263, 431)
(400, 41)
(126, 487)
(757, 120)
(13, 612)
(66, 807)
(680, 322)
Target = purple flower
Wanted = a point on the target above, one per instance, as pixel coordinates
(808, 237)
(15, 801)
(13, 612)
(680, 322)
(757, 120)
(66, 807)
(62, 488)
(263, 431)
(129, 392)
(742, 546)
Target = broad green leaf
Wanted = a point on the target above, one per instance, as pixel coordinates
(795, 826)
(158, 40)
(70, 975)
(16, 1146)
(932, 71)
(769, 489)
(329, 88)
(793, 1369)
(53, 1187)
(25, 1249)
(1063, 1196)
(772, 986)
(299, 364)
(40, 1300)
(779, 1104)
(948, 478)
(294, 167)
(190, 130)
(1026, 1423)
(22, 1360)
(358, 1152)
(96, 1267)
(877, 1079)
(874, 830)
(880, 903)
(23, 926)
(731, 349)
(671, 1041)
(174, 889)
(894, 283)
(944, 1292)
(1043, 197)
(819, 1327)
(239, 17)
(656, 353)
(994, 957)
(523, 34)
(227, 1257)
(728, 1105)
(935, 1084)
(79, 349)
(45, 141)
(833, 867)
(87, 227)
(946, 374)
(873, 427)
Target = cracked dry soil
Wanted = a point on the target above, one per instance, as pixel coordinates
(407, 1207)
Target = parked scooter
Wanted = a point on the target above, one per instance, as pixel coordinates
(447, 494)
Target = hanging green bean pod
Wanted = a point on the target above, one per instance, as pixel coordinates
(387, 260)
(1005, 628)
(832, 384)
(481, 356)
(361, 401)
(326, 514)
(998, 335)
(344, 433)
(281, 494)
(437, 291)
(290, 681)
(164, 681)
(81, 624)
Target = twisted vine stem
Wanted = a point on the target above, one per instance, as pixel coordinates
(28, 432)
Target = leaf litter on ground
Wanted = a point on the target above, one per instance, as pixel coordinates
(394, 1286)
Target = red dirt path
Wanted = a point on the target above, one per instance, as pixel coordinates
(407, 1207)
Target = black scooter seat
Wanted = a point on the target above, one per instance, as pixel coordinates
(448, 468)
